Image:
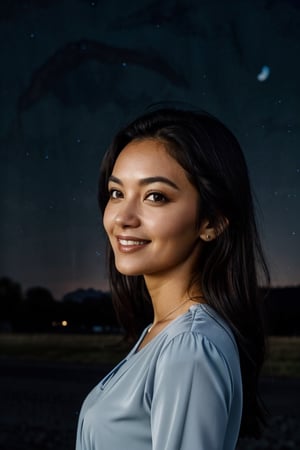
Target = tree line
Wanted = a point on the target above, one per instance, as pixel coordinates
(36, 310)
(91, 311)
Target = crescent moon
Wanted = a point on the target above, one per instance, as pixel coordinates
(264, 73)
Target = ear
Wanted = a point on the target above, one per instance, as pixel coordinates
(208, 233)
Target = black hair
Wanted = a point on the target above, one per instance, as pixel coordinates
(230, 267)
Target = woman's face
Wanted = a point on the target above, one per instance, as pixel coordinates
(151, 214)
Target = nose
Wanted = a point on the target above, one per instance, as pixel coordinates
(127, 216)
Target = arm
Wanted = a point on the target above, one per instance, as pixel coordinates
(192, 396)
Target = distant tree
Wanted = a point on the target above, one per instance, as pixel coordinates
(10, 299)
(98, 311)
(39, 297)
(89, 309)
(282, 311)
(39, 309)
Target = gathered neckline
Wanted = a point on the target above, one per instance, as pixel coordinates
(136, 351)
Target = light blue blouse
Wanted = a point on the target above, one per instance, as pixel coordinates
(182, 391)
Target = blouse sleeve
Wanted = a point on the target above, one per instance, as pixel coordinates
(191, 397)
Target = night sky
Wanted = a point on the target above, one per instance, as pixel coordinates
(74, 71)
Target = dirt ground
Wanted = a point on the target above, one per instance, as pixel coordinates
(40, 402)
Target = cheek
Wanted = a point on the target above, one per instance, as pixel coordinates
(107, 219)
(179, 226)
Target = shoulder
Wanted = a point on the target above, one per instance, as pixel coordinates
(201, 339)
(201, 324)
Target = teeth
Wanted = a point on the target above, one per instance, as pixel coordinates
(127, 242)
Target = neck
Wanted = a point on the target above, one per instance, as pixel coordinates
(169, 295)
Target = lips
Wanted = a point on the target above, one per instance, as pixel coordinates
(129, 243)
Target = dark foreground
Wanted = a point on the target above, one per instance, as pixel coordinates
(39, 405)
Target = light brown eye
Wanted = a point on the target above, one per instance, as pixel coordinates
(157, 197)
(114, 194)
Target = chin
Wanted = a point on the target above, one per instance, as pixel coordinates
(130, 272)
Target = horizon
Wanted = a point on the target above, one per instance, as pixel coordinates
(105, 288)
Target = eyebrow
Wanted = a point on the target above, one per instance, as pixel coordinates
(148, 180)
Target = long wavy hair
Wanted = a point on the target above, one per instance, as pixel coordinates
(230, 267)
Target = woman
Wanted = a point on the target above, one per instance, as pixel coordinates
(178, 212)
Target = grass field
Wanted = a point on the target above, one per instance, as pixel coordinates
(283, 356)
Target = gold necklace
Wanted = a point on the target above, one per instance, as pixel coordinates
(174, 310)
